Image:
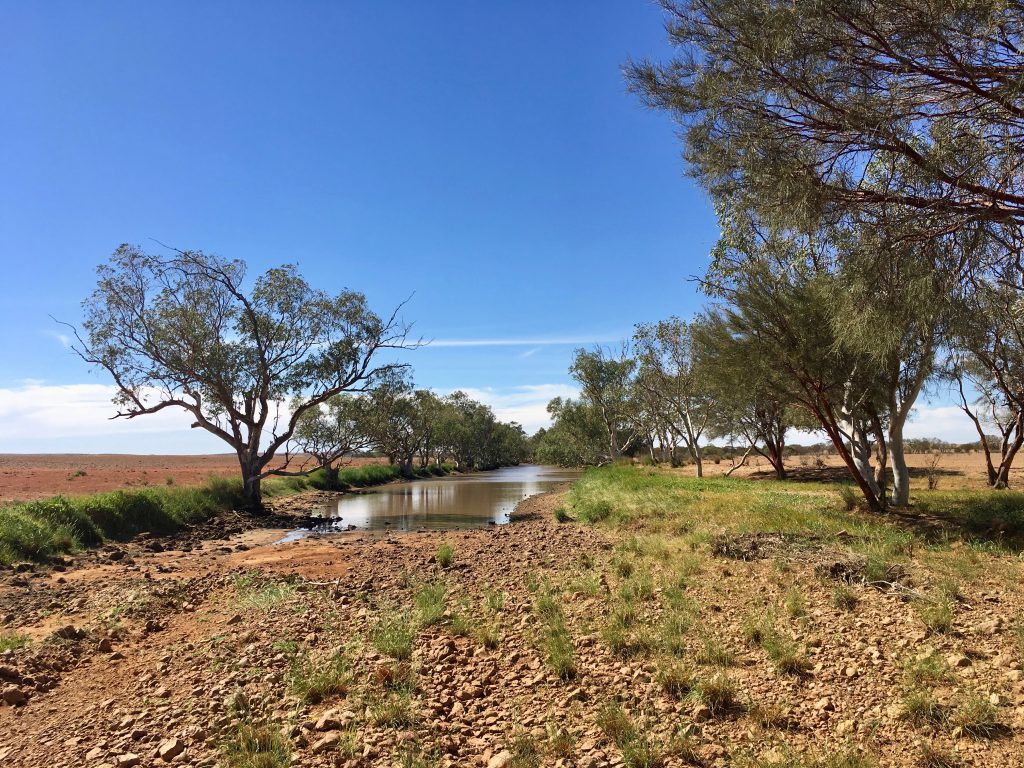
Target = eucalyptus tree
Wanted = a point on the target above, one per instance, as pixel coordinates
(794, 99)
(668, 374)
(392, 422)
(606, 382)
(329, 433)
(577, 436)
(988, 355)
(776, 291)
(185, 331)
(743, 376)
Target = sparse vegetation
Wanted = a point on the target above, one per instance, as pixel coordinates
(256, 746)
(975, 716)
(555, 640)
(10, 641)
(393, 635)
(445, 556)
(430, 603)
(315, 680)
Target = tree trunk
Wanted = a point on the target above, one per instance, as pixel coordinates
(835, 435)
(860, 451)
(900, 472)
(697, 458)
(1002, 478)
(252, 494)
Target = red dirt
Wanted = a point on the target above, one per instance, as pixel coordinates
(33, 476)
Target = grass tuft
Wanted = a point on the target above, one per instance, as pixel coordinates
(445, 556)
(256, 746)
(393, 635)
(315, 681)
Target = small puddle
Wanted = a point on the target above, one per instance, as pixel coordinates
(449, 503)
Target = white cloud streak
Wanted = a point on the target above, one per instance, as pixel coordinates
(569, 341)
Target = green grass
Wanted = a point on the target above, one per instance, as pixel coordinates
(430, 603)
(37, 530)
(394, 709)
(555, 640)
(445, 556)
(937, 616)
(639, 745)
(647, 501)
(254, 592)
(256, 746)
(717, 693)
(10, 641)
(976, 717)
(314, 680)
(393, 635)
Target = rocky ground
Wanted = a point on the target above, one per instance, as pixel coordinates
(224, 647)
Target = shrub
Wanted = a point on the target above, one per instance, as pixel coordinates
(561, 515)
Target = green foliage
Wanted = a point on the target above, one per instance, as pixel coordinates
(445, 556)
(37, 530)
(189, 327)
(393, 635)
(316, 680)
(430, 603)
(10, 641)
(256, 746)
(576, 438)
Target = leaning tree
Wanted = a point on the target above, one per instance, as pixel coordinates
(186, 331)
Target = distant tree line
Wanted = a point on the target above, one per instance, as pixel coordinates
(410, 427)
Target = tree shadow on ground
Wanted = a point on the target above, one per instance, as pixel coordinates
(982, 517)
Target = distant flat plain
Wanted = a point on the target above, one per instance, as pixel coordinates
(33, 476)
(25, 476)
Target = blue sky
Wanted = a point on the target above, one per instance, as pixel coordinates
(484, 157)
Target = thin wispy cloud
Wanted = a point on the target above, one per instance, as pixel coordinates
(64, 338)
(558, 341)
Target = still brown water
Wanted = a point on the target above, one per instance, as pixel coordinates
(448, 503)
